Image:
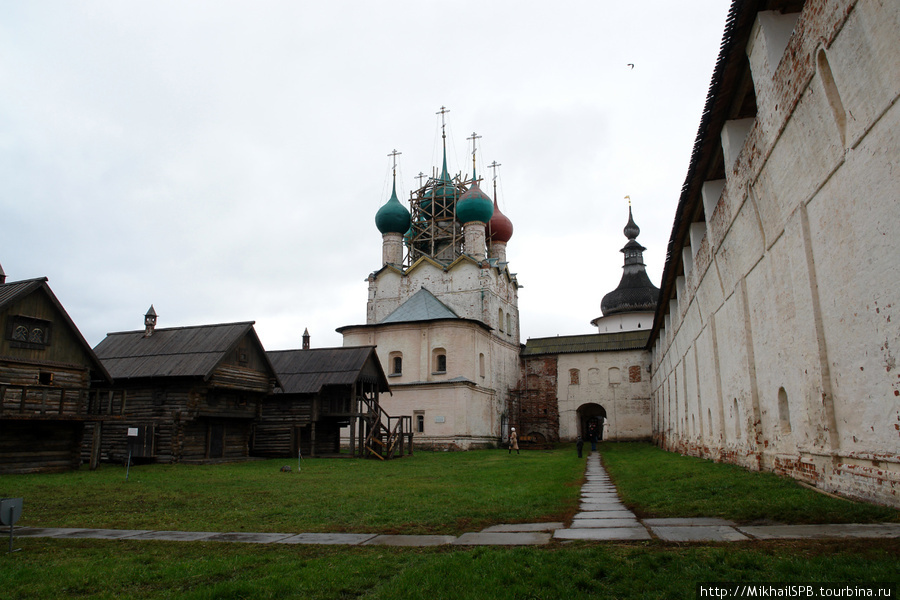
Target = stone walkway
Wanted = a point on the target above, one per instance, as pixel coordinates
(603, 517)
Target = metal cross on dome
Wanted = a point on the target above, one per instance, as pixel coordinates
(394, 156)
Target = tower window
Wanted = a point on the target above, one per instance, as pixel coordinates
(439, 360)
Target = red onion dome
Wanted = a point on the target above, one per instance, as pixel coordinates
(500, 228)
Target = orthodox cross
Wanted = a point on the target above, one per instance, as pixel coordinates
(420, 177)
(629, 200)
(394, 156)
(444, 110)
(494, 165)
(474, 137)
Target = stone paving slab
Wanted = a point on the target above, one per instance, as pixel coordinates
(600, 495)
(603, 534)
(699, 533)
(614, 511)
(593, 523)
(837, 530)
(688, 522)
(518, 527)
(254, 538)
(348, 539)
(104, 534)
(523, 538)
(43, 531)
(605, 514)
(176, 536)
(417, 541)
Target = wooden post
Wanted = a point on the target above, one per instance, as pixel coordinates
(96, 439)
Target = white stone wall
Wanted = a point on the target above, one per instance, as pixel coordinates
(781, 353)
(617, 381)
(471, 409)
(631, 321)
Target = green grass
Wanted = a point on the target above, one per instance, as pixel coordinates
(427, 493)
(97, 569)
(655, 483)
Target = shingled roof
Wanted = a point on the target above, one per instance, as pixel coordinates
(307, 371)
(171, 352)
(594, 342)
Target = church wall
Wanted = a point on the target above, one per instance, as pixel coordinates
(784, 344)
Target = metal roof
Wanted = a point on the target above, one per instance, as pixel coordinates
(422, 306)
(171, 352)
(594, 342)
(307, 371)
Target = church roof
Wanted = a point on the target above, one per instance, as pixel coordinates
(594, 342)
(422, 306)
(635, 293)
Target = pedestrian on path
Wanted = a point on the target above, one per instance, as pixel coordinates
(513, 441)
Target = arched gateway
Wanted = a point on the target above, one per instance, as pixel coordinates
(590, 414)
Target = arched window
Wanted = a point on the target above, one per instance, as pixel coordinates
(500, 319)
(574, 377)
(439, 360)
(737, 420)
(784, 412)
(481, 364)
(709, 421)
(615, 376)
(395, 364)
(509, 330)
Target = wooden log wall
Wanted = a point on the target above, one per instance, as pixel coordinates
(39, 446)
(22, 392)
(279, 415)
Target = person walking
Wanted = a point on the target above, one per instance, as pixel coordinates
(513, 441)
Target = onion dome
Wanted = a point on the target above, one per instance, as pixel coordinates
(474, 205)
(392, 217)
(500, 228)
(636, 293)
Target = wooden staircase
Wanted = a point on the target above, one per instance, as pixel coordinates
(387, 437)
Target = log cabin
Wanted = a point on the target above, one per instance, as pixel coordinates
(325, 390)
(46, 368)
(191, 394)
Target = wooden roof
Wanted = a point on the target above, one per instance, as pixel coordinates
(594, 342)
(16, 290)
(307, 371)
(173, 352)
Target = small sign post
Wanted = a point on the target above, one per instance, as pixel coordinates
(10, 511)
(132, 438)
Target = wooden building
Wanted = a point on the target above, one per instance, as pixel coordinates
(324, 390)
(190, 393)
(46, 368)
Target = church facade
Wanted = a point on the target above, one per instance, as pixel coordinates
(774, 343)
(443, 313)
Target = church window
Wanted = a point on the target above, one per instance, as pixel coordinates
(420, 421)
(481, 364)
(709, 421)
(784, 412)
(508, 324)
(737, 420)
(615, 376)
(500, 319)
(396, 364)
(574, 377)
(439, 362)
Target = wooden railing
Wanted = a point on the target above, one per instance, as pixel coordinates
(387, 436)
(53, 401)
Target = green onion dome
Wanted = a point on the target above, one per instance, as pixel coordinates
(392, 217)
(474, 205)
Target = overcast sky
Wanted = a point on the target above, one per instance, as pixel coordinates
(224, 161)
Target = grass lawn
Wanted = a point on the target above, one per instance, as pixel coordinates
(426, 493)
(654, 483)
